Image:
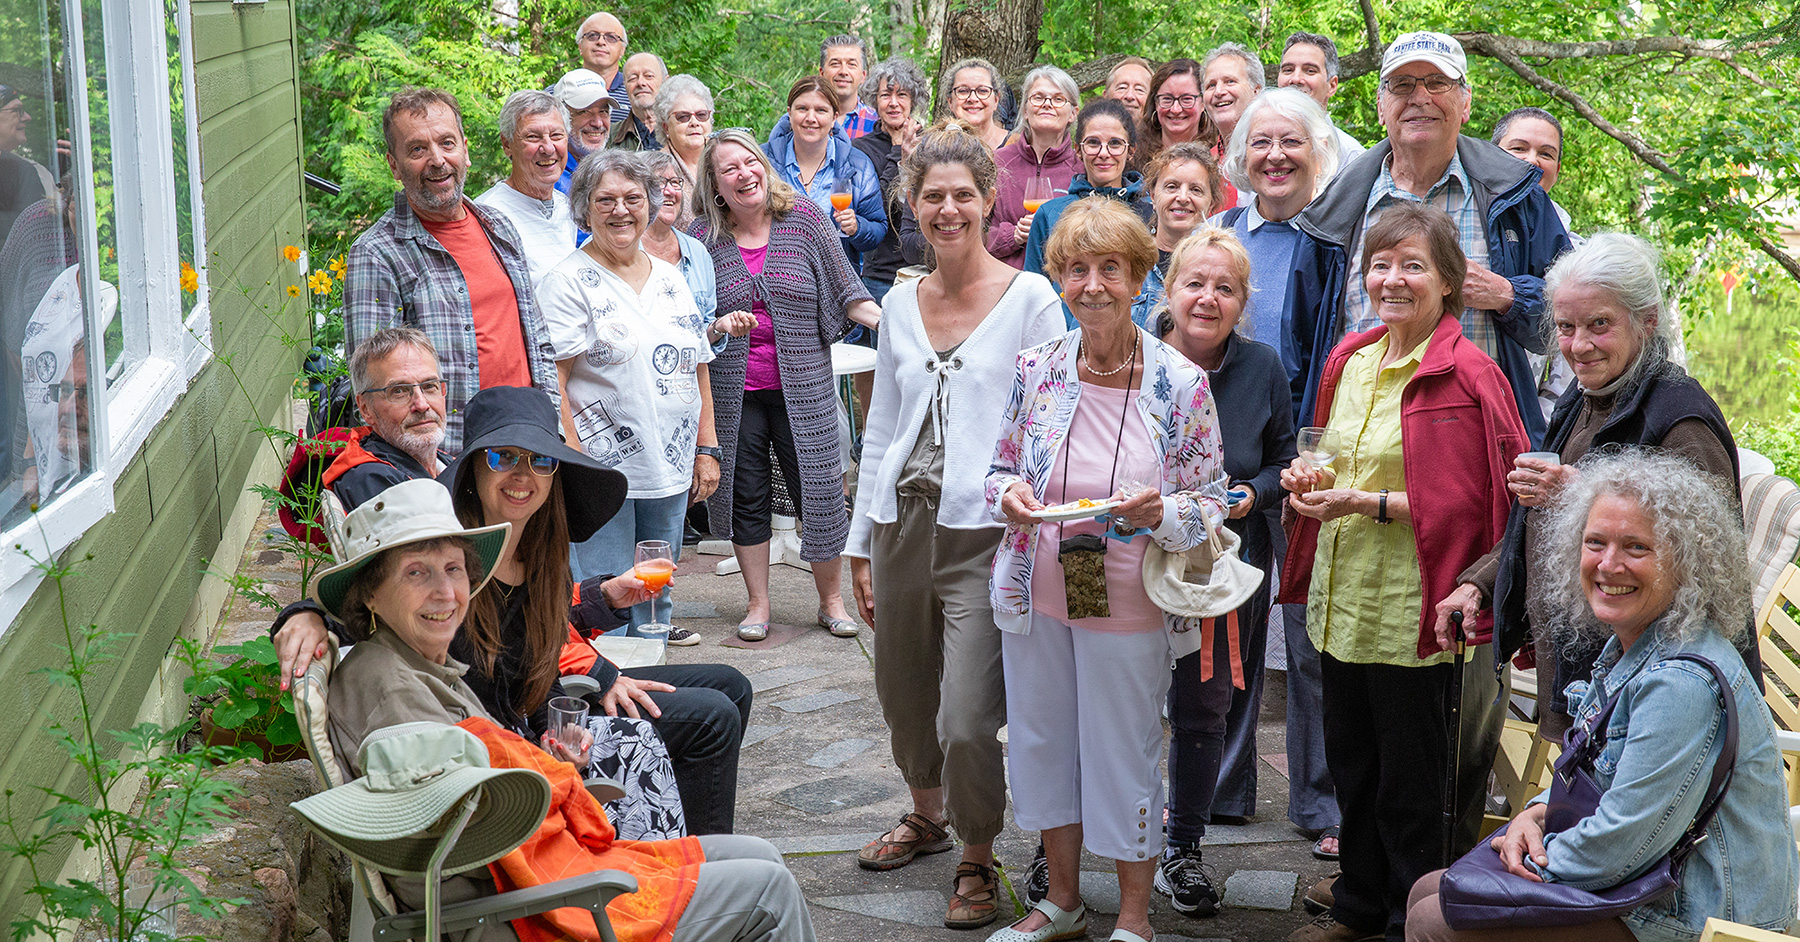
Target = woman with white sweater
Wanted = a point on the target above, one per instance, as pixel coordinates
(921, 540)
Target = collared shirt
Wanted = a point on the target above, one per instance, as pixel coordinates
(1270, 244)
(1454, 194)
(621, 99)
(400, 276)
(859, 121)
(1364, 598)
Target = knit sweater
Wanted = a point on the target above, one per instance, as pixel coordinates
(977, 378)
(1018, 163)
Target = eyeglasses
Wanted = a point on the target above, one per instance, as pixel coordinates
(501, 462)
(1184, 102)
(593, 36)
(399, 394)
(606, 204)
(1040, 99)
(1402, 86)
(1094, 145)
(1262, 145)
(976, 92)
(673, 183)
(690, 117)
(15, 109)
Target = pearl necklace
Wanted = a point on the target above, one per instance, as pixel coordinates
(1115, 370)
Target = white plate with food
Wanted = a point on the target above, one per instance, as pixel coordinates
(1076, 510)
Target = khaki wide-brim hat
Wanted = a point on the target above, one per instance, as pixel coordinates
(1204, 582)
(415, 777)
(409, 512)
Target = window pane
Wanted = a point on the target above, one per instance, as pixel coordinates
(187, 241)
(106, 213)
(44, 442)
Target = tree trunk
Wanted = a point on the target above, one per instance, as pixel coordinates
(1004, 32)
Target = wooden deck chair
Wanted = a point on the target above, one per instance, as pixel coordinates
(1718, 930)
(1777, 630)
(1521, 769)
(375, 915)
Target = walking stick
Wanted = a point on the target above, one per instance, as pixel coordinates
(1451, 766)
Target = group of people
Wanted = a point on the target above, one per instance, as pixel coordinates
(1186, 320)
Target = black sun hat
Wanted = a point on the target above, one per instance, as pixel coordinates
(522, 417)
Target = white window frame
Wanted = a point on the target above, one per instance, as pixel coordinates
(124, 413)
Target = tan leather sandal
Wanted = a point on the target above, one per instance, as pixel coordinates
(979, 906)
(887, 852)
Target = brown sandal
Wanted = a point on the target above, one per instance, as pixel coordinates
(887, 853)
(978, 907)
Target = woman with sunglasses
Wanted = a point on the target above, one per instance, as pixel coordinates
(684, 118)
(1106, 138)
(972, 92)
(631, 350)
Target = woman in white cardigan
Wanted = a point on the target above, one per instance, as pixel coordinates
(921, 540)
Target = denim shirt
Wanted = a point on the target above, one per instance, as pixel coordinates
(1654, 774)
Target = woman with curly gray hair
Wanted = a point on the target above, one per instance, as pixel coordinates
(898, 90)
(631, 350)
(1633, 558)
(1609, 317)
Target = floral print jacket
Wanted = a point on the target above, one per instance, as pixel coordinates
(1177, 408)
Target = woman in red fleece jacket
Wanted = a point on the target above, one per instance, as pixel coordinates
(1417, 491)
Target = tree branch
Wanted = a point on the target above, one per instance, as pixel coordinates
(1371, 28)
(1367, 60)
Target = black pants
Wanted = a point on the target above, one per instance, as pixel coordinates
(1386, 743)
(1197, 724)
(702, 724)
(763, 423)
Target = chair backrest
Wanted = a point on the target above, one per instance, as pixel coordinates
(1771, 528)
(1718, 930)
(314, 720)
(1778, 636)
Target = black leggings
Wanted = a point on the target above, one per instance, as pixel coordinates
(763, 423)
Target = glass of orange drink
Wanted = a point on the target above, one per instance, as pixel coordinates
(655, 567)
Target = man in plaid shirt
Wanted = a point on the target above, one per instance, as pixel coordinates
(442, 264)
(843, 64)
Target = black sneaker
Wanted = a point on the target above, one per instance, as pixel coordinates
(681, 637)
(1037, 878)
(1187, 882)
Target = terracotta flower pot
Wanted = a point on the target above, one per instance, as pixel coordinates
(216, 736)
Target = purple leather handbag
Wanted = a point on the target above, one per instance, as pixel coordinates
(1478, 892)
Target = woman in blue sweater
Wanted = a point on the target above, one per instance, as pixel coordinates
(1106, 137)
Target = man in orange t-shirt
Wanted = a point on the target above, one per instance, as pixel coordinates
(441, 263)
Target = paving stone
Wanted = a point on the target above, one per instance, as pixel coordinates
(839, 753)
(912, 907)
(817, 701)
(696, 610)
(1165, 937)
(754, 734)
(823, 843)
(1278, 762)
(1261, 889)
(1261, 832)
(782, 676)
(1100, 891)
(835, 794)
(779, 635)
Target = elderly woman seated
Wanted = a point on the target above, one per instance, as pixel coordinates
(1640, 557)
(411, 571)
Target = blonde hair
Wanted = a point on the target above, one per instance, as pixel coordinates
(1100, 225)
(1237, 259)
(710, 205)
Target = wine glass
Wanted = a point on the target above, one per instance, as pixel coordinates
(1038, 191)
(655, 567)
(1318, 446)
(840, 193)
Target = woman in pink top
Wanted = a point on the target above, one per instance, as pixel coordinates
(1039, 151)
(1105, 411)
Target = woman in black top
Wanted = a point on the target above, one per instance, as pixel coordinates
(898, 90)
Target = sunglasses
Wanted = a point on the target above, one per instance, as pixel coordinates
(501, 462)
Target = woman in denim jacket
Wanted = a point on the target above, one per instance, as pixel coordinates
(1638, 537)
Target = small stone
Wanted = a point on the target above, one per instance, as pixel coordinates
(1261, 889)
(911, 907)
(824, 843)
(835, 794)
(754, 734)
(839, 753)
(220, 836)
(817, 701)
(269, 557)
(782, 676)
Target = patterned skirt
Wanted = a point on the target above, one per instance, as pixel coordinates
(630, 752)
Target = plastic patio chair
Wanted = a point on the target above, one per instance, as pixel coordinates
(376, 915)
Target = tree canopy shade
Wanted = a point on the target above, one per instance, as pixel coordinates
(1680, 115)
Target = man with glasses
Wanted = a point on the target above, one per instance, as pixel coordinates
(844, 64)
(1506, 224)
(1310, 63)
(601, 41)
(644, 73)
(583, 94)
(401, 396)
(440, 262)
(534, 131)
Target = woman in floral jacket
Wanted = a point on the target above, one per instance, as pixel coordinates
(1104, 413)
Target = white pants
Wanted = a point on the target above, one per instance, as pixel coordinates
(1084, 733)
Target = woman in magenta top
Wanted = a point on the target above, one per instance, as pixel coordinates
(775, 255)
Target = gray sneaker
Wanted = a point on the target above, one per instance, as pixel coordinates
(1187, 882)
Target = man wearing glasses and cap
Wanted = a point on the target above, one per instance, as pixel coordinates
(1507, 226)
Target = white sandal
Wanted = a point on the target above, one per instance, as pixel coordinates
(1063, 924)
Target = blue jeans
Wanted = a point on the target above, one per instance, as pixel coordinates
(613, 550)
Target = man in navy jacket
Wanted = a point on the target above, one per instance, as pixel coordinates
(1509, 228)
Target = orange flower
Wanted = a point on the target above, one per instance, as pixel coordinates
(291, 253)
(293, 291)
(190, 279)
(319, 282)
(338, 267)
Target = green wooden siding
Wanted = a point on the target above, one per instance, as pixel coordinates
(175, 495)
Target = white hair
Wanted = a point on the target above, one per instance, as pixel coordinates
(1296, 105)
(1252, 65)
(1629, 269)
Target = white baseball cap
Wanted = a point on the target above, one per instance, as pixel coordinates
(580, 88)
(1438, 49)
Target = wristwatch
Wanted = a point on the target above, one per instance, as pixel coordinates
(710, 451)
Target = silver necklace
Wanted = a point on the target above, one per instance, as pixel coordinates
(1128, 361)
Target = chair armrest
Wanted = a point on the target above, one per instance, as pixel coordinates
(579, 685)
(589, 891)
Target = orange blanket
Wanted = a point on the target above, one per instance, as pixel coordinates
(576, 656)
(576, 838)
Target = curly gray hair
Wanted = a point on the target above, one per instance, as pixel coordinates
(1698, 545)
(627, 163)
(674, 88)
(903, 74)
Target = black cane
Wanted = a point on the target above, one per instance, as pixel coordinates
(1451, 770)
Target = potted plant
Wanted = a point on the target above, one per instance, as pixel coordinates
(247, 706)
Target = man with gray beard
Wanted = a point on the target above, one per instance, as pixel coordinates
(401, 398)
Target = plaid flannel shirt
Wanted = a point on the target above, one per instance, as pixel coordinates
(860, 121)
(400, 276)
